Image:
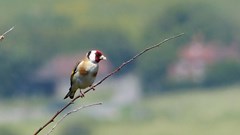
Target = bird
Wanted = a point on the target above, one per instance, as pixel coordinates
(85, 72)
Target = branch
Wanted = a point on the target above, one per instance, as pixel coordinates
(2, 36)
(73, 111)
(110, 74)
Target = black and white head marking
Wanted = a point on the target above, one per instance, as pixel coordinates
(95, 56)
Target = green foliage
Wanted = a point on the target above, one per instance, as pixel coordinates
(44, 35)
(153, 67)
(222, 73)
(14, 74)
(192, 19)
(7, 131)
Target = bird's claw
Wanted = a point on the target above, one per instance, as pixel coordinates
(92, 87)
(81, 94)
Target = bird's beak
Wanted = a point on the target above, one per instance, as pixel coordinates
(103, 57)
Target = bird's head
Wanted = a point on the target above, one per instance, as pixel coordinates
(95, 56)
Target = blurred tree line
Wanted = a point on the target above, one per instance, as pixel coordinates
(41, 37)
(192, 18)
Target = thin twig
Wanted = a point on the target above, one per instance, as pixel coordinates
(110, 74)
(2, 36)
(8, 31)
(73, 111)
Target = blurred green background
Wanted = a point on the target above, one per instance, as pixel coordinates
(188, 86)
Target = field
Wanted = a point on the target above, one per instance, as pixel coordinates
(196, 112)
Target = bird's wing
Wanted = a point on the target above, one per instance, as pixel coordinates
(84, 67)
(83, 70)
(74, 72)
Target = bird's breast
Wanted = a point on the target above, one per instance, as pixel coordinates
(87, 75)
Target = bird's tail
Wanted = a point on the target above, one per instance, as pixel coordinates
(70, 94)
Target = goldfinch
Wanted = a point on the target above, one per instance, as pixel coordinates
(85, 72)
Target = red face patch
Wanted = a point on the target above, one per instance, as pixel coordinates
(98, 54)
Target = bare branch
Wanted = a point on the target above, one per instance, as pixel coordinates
(8, 31)
(2, 36)
(110, 74)
(73, 111)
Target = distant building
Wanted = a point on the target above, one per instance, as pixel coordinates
(194, 57)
